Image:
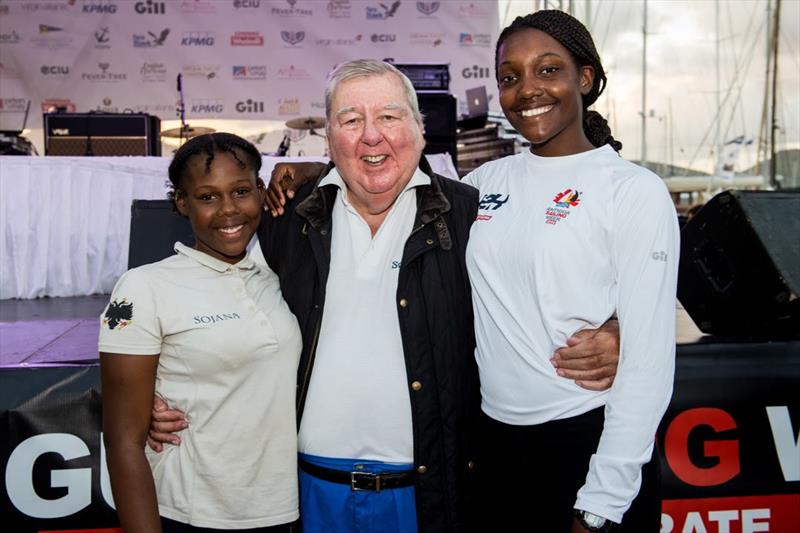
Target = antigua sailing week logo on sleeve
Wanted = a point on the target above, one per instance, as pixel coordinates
(562, 202)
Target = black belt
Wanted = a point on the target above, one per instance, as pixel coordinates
(360, 480)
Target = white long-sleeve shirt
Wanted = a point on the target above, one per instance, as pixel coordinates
(562, 244)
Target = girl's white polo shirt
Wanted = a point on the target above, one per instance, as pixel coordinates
(229, 349)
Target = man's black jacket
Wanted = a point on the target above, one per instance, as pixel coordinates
(434, 307)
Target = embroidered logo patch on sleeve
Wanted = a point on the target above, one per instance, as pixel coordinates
(119, 313)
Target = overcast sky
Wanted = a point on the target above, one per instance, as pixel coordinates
(681, 72)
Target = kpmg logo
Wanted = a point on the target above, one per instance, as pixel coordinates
(428, 8)
(383, 37)
(291, 11)
(244, 4)
(249, 72)
(54, 70)
(339, 9)
(475, 72)
(150, 8)
(104, 76)
(293, 37)
(151, 40)
(153, 72)
(198, 38)
(383, 12)
(9, 38)
(103, 8)
(247, 38)
(207, 106)
(250, 106)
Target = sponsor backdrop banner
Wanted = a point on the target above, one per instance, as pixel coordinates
(729, 444)
(260, 59)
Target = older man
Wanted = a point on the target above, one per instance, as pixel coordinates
(371, 261)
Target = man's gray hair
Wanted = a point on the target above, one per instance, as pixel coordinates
(368, 67)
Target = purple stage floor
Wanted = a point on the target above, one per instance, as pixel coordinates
(50, 330)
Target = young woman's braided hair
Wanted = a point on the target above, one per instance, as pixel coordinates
(245, 154)
(573, 36)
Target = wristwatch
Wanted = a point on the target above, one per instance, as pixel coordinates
(592, 522)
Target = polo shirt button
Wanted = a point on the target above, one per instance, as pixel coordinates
(421, 469)
(471, 465)
(429, 241)
(403, 303)
(416, 386)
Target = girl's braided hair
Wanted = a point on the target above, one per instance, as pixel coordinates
(573, 36)
(245, 154)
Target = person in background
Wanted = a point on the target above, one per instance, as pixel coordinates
(207, 330)
(568, 235)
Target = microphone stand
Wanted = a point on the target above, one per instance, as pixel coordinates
(181, 109)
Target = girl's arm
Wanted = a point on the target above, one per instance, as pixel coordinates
(128, 383)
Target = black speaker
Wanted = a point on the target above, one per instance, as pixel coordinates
(740, 265)
(154, 229)
(101, 134)
(439, 115)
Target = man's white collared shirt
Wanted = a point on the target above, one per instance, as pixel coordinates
(358, 404)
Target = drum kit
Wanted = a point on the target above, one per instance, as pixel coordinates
(296, 130)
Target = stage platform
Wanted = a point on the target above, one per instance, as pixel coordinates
(50, 331)
(63, 331)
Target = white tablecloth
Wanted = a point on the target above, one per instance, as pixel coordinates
(65, 221)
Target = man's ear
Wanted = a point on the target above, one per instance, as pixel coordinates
(180, 202)
(586, 79)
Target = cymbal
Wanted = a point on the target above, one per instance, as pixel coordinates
(306, 123)
(188, 132)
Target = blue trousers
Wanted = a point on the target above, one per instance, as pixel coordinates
(327, 507)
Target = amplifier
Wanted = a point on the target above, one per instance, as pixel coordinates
(101, 134)
(427, 76)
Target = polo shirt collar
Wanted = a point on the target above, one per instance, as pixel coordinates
(212, 262)
(334, 178)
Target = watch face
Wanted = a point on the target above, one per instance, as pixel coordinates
(591, 520)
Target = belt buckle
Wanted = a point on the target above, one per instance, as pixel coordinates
(356, 477)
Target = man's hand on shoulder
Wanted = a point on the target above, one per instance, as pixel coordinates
(590, 357)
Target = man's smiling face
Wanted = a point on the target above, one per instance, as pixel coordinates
(374, 140)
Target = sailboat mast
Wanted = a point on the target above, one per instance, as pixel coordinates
(717, 140)
(644, 84)
(773, 180)
(761, 149)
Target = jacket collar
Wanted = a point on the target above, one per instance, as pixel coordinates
(317, 207)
